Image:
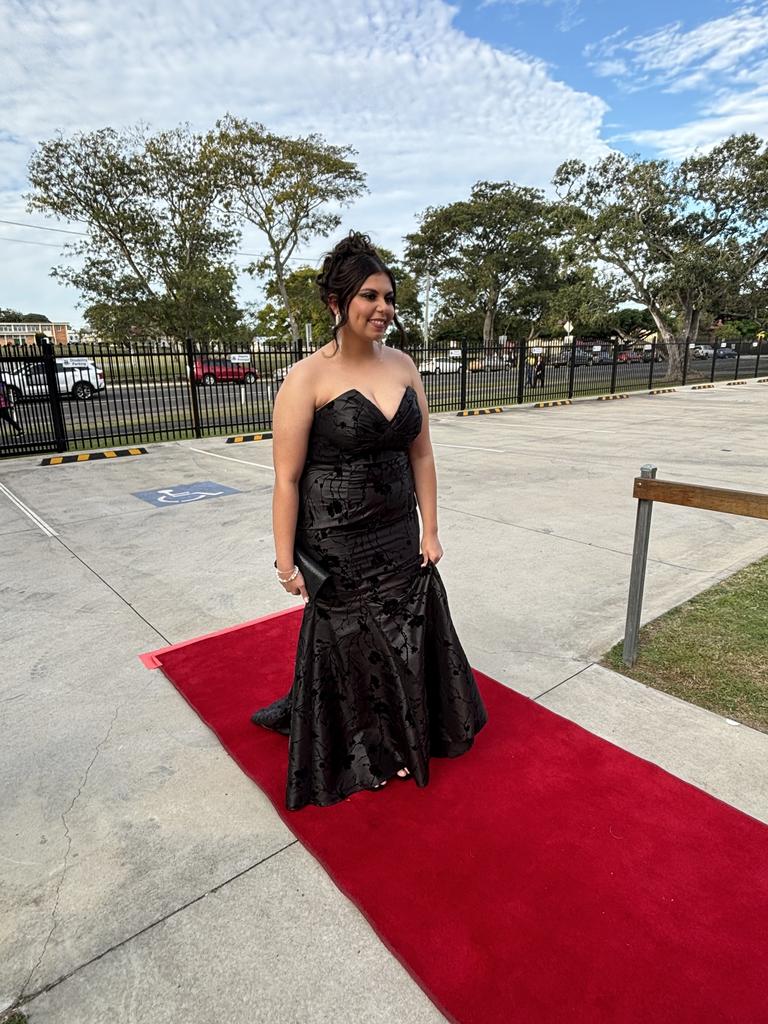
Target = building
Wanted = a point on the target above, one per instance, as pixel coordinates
(24, 334)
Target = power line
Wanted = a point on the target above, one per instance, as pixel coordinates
(84, 234)
(42, 227)
(26, 241)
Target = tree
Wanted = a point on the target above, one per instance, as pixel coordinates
(409, 309)
(306, 307)
(681, 237)
(13, 316)
(481, 249)
(284, 187)
(157, 257)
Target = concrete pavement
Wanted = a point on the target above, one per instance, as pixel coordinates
(144, 877)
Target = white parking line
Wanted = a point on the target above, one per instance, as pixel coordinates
(40, 523)
(229, 458)
(470, 447)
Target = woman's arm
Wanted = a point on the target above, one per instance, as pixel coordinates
(425, 476)
(291, 424)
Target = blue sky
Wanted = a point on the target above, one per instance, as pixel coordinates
(433, 96)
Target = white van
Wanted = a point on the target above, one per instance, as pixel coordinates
(78, 377)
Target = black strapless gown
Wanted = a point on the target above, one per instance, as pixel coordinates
(381, 680)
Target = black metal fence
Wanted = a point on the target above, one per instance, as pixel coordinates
(94, 396)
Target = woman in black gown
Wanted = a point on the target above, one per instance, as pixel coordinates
(381, 682)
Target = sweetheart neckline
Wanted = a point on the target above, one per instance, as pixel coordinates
(357, 391)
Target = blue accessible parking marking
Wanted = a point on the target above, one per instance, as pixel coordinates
(184, 494)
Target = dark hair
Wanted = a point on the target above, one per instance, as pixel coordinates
(347, 265)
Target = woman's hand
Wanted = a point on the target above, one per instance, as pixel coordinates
(431, 549)
(296, 587)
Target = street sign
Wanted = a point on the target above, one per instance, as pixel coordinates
(568, 326)
(239, 357)
(73, 362)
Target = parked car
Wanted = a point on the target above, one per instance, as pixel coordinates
(601, 357)
(703, 352)
(725, 353)
(221, 370)
(279, 375)
(77, 376)
(437, 365)
(630, 356)
(564, 357)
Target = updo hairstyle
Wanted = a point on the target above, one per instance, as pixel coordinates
(345, 268)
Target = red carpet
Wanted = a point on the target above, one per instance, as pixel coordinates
(546, 877)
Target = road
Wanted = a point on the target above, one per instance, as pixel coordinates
(155, 410)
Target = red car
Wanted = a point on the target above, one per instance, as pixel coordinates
(630, 357)
(217, 371)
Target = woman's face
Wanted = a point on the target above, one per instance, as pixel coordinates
(372, 308)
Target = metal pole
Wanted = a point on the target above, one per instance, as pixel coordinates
(637, 576)
(426, 311)
(189, 352)
(54, 394)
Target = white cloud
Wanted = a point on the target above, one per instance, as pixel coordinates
(676, 59)
(570, 10)
(723, 62)
(429, 109)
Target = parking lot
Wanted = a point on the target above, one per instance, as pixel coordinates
(146, 879)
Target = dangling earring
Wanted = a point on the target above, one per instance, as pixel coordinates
(338, 319)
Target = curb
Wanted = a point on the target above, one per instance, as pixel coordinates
(550, 405)
(701, 387)
(242, 438)
(663, 391)
(731, 383)
(479, 412)
(118, 453)
(610, 398)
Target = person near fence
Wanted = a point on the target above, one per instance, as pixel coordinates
(381, 683)
(7, 411)
(539, 370)
(530, 369)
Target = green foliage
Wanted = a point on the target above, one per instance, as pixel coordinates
(409, 308)
(13, 316)
(683, 238)
(157, 257)
(489, 249)
(272, 319)
(290, 189)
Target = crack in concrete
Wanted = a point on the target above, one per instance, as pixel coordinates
(67, 851)
(28, 997)
(563, 681)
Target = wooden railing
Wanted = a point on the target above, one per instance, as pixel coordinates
(648, 490)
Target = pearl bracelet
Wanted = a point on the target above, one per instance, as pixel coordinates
(288, 579)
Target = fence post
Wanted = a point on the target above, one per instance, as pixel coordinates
(738, 359)
(522, 354)
(572, 367)
(614, 367)
(714, 359)
(190, 354)
(463, 375)
(637, 575)
(52, 380)
(686, 355)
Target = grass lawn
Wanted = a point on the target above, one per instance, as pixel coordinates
(711, 651)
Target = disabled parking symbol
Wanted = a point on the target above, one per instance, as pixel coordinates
(185, 494)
